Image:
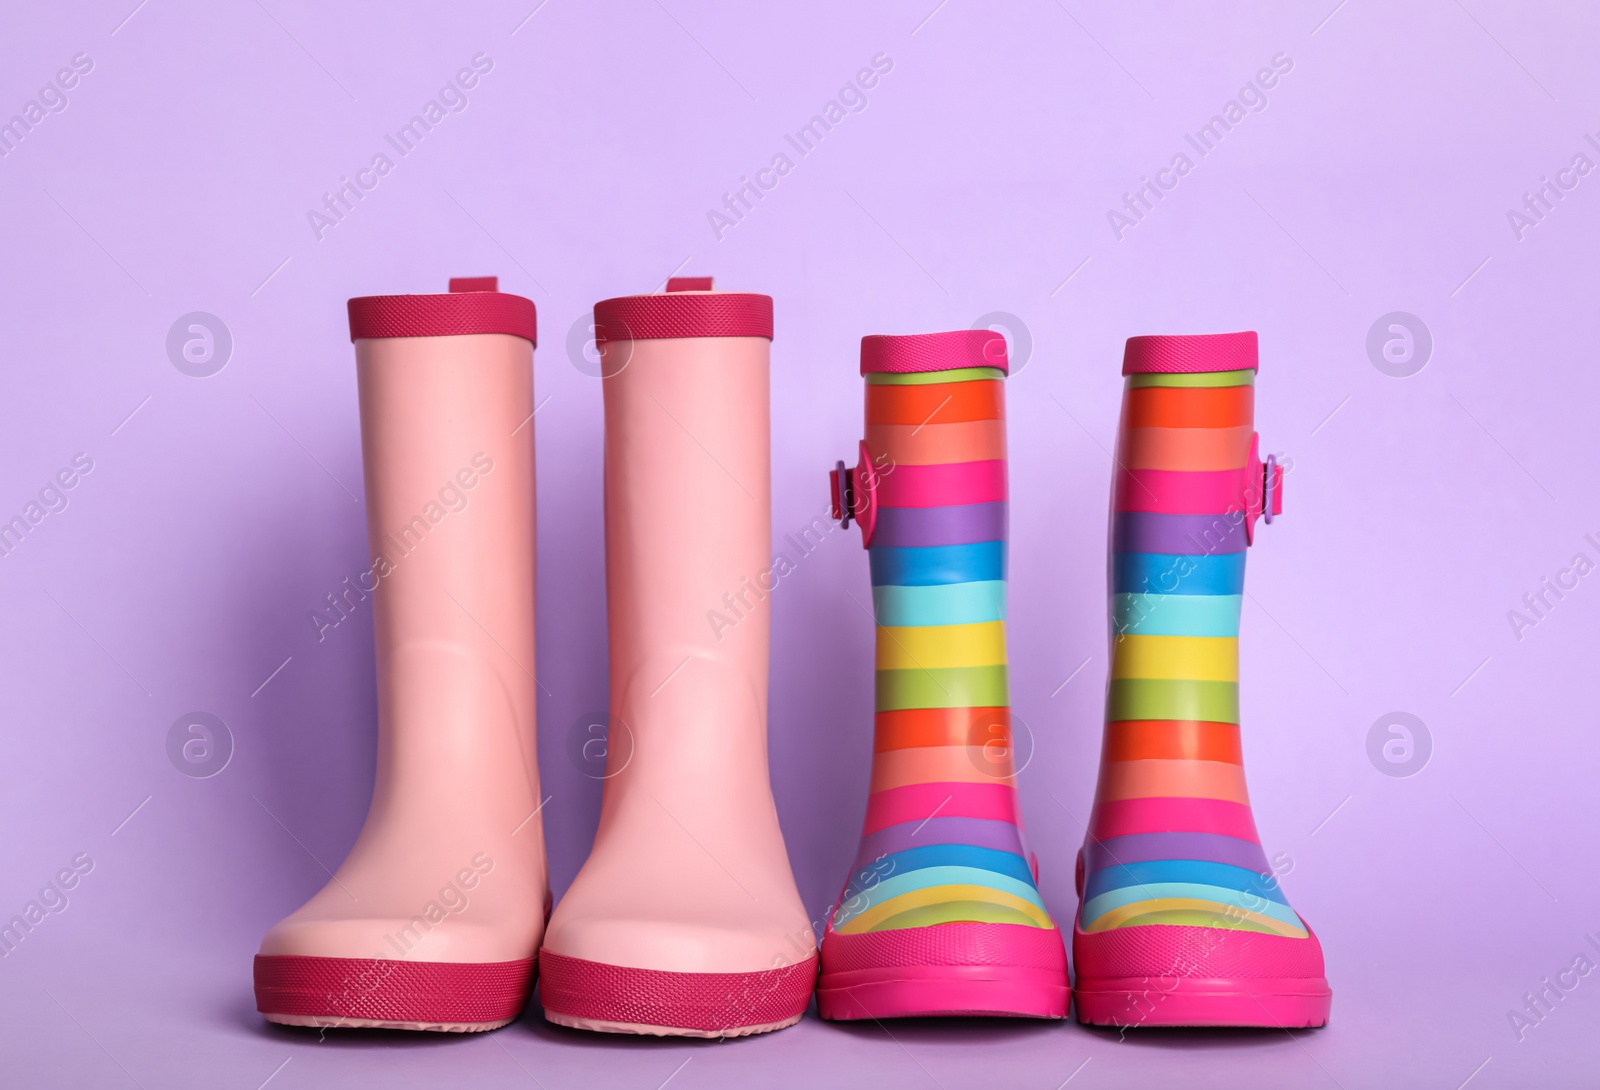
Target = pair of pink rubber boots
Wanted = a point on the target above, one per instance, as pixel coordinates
(685, 920)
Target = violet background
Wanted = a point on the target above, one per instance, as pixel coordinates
(1419, 510)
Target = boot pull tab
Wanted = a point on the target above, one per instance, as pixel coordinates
(1262, 489)
(688, 283)
(460, 284)
(854, 494)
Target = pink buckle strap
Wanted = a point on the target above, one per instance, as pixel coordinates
(1256, 490)
(1263, 489)
(854, 493)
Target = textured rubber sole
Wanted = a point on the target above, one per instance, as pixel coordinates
(595, 1025)
(928, 990)
(622, 999)
(314, 1022)
(376, 993)
(1135, 1002)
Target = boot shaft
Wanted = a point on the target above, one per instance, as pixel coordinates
(689, 566)
(940, 914)
(1173, 838)
(937, 556)
(687, 476)
(942, 839)
(446, 394)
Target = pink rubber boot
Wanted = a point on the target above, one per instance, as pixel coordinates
(941, 914)
(685, 919)
(433, 920)
(1183, 921)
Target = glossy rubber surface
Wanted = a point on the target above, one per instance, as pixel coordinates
(941, 913)
(1183, 919)
(688, 878)
(448, 871)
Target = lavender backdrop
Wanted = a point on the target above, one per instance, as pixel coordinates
(176, 169)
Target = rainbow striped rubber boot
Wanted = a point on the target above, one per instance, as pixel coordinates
(941, 914)
(1181, 920)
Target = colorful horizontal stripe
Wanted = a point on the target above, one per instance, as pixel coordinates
(1186, 449)
(1212, 492)
(1172, 698)
(978, 888)
(938, 565)
(1120, 851)
(999, 835)
(937, 444)
(913, 727)
(939, 403)
(972, 856)
(1198, 658)
(946, 687)
(1179, 535)
(1127, 817)
(1176, 779)
(942, 764)
(1173, 739)
(941, 842)
(954, 603)
(943, 485)
(1201, 378)
(927, 378)
(1163, 407)
(1171, 839)
(916, 647)
(956, 524)
(1175, 573)
(1175, 614)
(1194, 906)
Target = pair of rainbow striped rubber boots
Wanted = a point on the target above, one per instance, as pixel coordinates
(1181, 920)
(686, 919)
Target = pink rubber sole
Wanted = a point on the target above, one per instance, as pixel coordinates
(457, 997)
(930, 990)
(1265, 1003)
(982, 969)
(1186, 975)
(621, 999)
